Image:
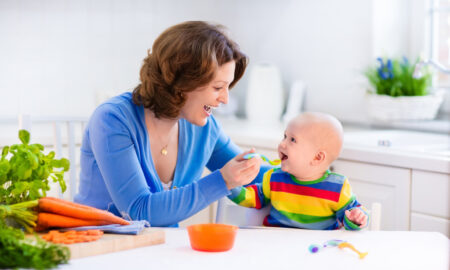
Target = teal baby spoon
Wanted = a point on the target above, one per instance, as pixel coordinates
(263, 157)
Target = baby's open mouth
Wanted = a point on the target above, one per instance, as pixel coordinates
(283, 157)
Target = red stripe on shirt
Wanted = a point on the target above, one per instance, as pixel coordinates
(304, 190)
(257, 200)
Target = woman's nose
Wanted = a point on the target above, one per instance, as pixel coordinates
(224, 96)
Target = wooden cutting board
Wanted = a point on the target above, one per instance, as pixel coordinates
(117, 242)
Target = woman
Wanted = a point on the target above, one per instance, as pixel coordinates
(143, 153)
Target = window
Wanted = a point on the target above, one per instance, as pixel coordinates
(438, 20)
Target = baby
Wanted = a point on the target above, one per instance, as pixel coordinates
(303, 192)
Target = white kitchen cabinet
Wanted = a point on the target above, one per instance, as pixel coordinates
(430, 193)
(430, 202)
(389, 186)
(421, 222)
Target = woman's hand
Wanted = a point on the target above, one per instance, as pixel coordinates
(240, 171)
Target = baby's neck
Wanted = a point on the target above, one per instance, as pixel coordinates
(310, 177)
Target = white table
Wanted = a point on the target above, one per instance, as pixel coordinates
(284, 249)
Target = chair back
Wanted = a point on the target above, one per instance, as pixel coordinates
(63, 135)
(230, 213)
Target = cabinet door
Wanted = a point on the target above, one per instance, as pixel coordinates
(420, 222)
(430, 193)
(386, 185)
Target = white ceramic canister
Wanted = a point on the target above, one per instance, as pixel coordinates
(265, 96)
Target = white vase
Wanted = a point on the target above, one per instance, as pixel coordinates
(265, 96)
(294, 101)
(385, 108)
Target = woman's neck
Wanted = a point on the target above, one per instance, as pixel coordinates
(164, 125)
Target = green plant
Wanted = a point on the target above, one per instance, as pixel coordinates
(25, 171)
(395, 77)
(16, 250)
(21, 213)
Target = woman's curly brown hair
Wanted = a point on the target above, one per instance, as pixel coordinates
(183, 58)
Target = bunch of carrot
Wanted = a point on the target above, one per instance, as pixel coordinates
(72, 237)
(59, 213)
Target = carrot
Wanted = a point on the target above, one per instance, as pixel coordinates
(67, 202)
(75, 210)
(94, 232)
(50, 220)
(71, 237)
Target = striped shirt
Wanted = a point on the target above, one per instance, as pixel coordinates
(316, 205)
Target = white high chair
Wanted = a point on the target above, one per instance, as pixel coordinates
(230, 213)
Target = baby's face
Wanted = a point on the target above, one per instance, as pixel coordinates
(297, 149)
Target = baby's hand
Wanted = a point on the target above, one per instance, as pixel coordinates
(357, 216)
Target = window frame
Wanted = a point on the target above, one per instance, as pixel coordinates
(433, 11)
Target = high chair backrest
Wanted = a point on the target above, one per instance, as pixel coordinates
(375, 216)
(230, 213)
(63, 135)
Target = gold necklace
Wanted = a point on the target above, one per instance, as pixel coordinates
(163, 150)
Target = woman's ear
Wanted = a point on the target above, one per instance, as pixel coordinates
(319, 158)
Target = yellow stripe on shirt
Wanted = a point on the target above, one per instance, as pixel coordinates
(346, 195)
(301, 204)
(250, 199)
(266, 183)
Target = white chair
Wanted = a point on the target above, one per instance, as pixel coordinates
(65, 134)
(375, 216)
(230, 213)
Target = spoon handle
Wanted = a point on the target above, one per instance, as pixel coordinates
(263, 157)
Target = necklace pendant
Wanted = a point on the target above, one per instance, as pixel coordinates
(164, 151)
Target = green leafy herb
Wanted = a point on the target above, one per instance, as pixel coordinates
(16, 250)
(25, 171)
(395, 77)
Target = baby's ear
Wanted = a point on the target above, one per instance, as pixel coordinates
(319, 158)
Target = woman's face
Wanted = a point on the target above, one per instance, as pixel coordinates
(200, 102)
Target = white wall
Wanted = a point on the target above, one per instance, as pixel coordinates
(58, 57)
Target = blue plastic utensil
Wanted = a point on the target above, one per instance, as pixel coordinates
(314, 248)
(263, 157)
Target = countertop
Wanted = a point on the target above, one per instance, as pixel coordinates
(406, 149)
(398, 148)
(275, 248)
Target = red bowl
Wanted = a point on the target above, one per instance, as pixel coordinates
(212, 237)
